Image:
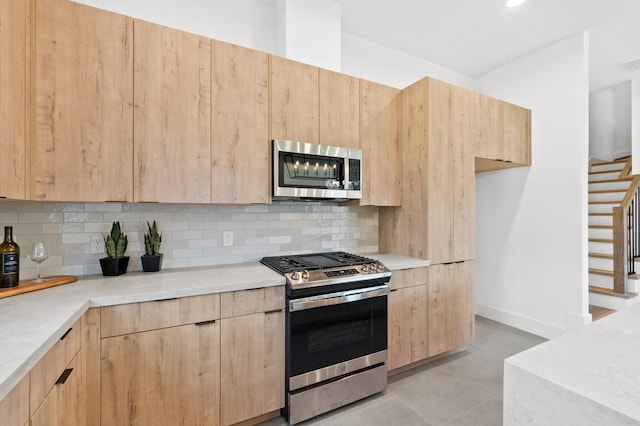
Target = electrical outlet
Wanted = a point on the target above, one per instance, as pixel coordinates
(227, 238)
(97, 244)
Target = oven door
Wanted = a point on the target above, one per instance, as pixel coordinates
(335, 334)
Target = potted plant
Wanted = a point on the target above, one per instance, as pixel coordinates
(152, 259)
(115, 244)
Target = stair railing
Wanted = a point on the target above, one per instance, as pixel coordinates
(626, 235)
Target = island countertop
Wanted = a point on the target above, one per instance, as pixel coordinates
(31, 323)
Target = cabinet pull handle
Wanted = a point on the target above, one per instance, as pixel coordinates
(198, 324)
(165, 300)
(66, 333)
(64, 376)
(273, 311)
(392, 290)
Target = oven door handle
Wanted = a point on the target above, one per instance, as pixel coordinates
(337, 298)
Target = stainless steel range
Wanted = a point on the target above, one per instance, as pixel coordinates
(336, 330)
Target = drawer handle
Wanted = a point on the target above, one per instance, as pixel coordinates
(205, 322)
(66, 333)
(166, 300)
(64, 376)
(392, 290)
(274, 311)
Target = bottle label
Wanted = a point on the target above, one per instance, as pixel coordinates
(10, 263)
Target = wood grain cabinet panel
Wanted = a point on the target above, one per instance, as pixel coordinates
(245, 302)
(15, 84)
(169, 376)
(380, 143)
(144, 316)
(172, 115)
(294, 101)
(63, 404)
(339, 110)
(450, 320)
(240, 125)
(252, 373)
(407, 326)
(517, 134)
(83, 144)
(14, 408)
(488, 122)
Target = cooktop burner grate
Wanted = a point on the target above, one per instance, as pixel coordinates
(314, 261)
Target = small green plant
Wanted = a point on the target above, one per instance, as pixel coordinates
(116, 243)
(152, 240)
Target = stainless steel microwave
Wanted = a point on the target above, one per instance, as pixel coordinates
(306, 171)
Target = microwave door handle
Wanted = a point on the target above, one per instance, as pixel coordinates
(334, 299)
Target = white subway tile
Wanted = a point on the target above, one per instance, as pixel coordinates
(76, 239)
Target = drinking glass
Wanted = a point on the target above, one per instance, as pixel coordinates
(38, 254)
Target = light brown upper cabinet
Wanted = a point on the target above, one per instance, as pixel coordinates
(380, 144)
(339, 110)
(502, 134)
(14, 98)
(436, 220)
(294, 101)
(240, 125)
(172, 115)
(83, 144)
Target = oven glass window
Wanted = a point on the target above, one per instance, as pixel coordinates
(329, 335)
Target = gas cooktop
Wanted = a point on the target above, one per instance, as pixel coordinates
(320, 269)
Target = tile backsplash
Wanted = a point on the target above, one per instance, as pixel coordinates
(192, 234)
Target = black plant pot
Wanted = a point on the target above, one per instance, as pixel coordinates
(151, 263)
(112, 267)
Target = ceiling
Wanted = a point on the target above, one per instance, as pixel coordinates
(476, 36)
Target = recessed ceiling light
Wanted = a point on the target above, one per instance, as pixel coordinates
(514, 3)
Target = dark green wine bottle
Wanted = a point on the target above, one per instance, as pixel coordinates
(9, 260)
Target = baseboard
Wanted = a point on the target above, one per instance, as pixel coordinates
(530, 325)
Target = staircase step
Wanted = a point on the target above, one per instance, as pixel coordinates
(602, 208)
(611, 165)
(610, 292)
(603, 196)
(604, 175)
(601, 247)
(621, 185)
(601, 240)
(603, 220)
(614, 202)
(601, 226)
(599, 312)
(601, 255)
(601, 272)
(601, 233)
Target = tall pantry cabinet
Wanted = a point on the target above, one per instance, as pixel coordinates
(437, 218)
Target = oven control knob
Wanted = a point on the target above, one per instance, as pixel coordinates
(305, 275)
(295, 275)
(365, 268)
(380, 267)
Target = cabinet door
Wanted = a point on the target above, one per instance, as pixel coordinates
(62, 406)
(450, 306)
(517, 134)
(162, 377)
(172, 117)
(464, 177)
(339, 110)
(84, 98)
(380, 144)
(252, 366)
(15, 33)
(294, 101)
(440, 174)
(14, 408)
(407, 324)
(488, 127)
(240, 125)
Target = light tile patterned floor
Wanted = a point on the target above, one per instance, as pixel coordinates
(464, 389)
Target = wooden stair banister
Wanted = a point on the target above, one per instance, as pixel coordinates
(620, 234)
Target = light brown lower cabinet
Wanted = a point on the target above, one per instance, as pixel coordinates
(63, 404)
(252, 374)
(168, 376)
(451, 312)
(407, 317)
(14, 408)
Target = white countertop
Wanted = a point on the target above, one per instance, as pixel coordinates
(31, 323)
(590, 376)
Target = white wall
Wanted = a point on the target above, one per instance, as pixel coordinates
(531, 265)
(610, 122)
(635, 122)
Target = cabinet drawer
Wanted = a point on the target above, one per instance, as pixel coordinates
(144, 316)
(47, 371)
(409, 277)
(245, 302)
